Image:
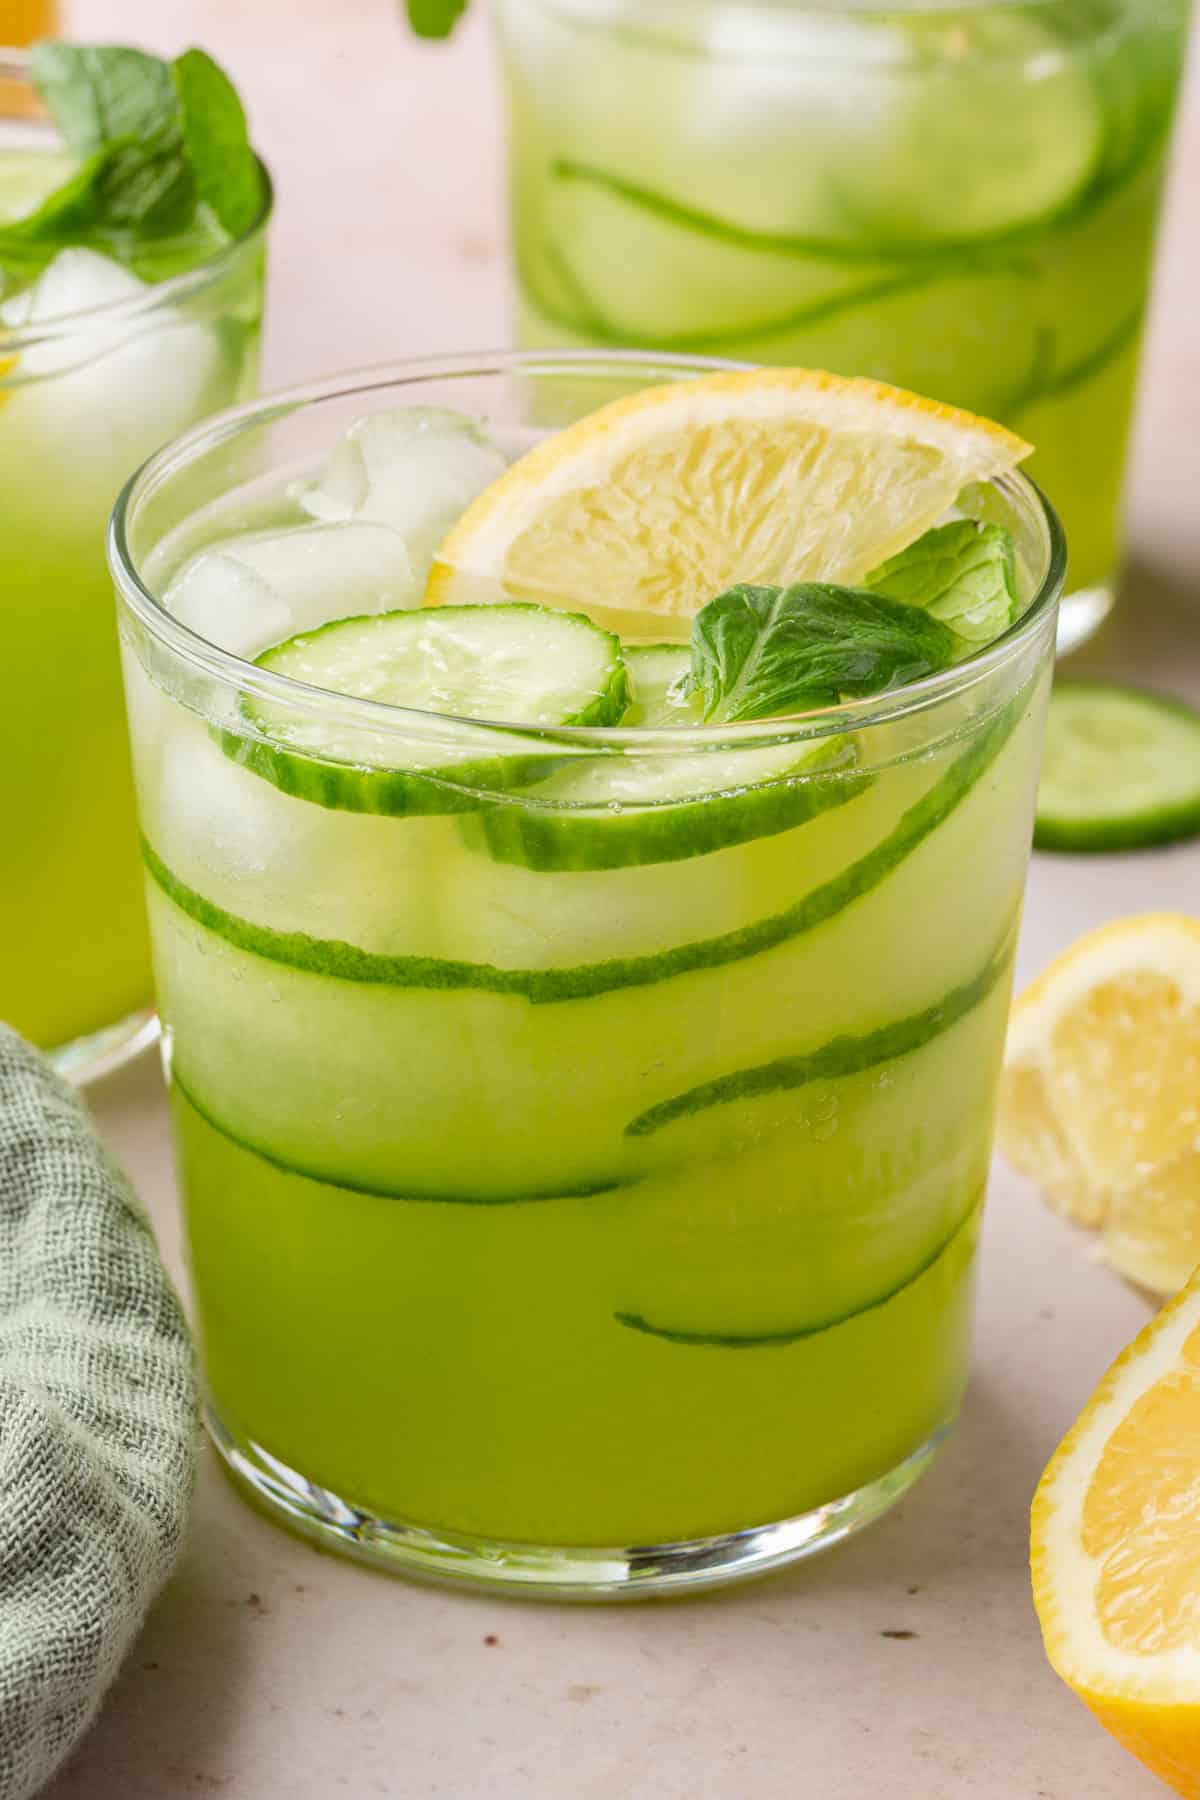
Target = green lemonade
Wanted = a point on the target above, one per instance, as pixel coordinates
(96, 371)
(583, 1155)
(960, 200)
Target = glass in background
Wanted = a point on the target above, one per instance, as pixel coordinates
(962, 200)
(95, 371)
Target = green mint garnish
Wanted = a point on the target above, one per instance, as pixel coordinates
(120, 195)
(217, 141)
(164, 152)
(963, 573)
(761, 651)
(434, 18)
(100, 94)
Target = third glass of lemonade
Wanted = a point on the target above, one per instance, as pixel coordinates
(583, 1110)
(958, 198)
(98, 365)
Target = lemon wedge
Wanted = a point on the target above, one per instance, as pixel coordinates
(1100, 1096)
(1116, 1548)
(659, 501)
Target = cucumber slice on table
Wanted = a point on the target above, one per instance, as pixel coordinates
(1121, 769)
(517, 661)
(625, 807)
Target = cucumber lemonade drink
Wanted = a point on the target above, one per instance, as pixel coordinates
(112, 340)
(584, 851)
(958, 198)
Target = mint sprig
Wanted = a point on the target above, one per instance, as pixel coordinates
(164, 147)
(435, 18)
(758, 652)
(101, 94)
(216, 139)
(963, 573)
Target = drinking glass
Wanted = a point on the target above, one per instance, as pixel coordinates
(582, 1194)
(961, 199)
(101, 372)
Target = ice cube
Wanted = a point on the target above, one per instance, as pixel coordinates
(284, 863)
(75, 281)
(97, 396)
(333, 571)
(214, 823)
(118, 373)
(413, 468)
(247, 593)
(225, 602)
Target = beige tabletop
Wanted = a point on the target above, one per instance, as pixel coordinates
(906, 1664)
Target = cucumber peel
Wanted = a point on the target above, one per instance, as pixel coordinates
(628, 807)
(541, 667)
(962, 1235)
(182, 1092)
(341, 961)
(840, 1057)
(1121, 769)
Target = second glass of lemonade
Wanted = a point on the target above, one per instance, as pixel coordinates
(582, 1152)
(97, 368)
(961, 199)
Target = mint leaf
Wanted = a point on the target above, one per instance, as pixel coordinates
(165, 153)
(217, 141)
(127, 190)
(143, 187)
(963, 573)
(761, 651)
(98, 94)
(434, 18)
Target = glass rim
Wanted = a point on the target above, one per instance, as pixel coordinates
(674, 27)
(210, 661)
(14, 67)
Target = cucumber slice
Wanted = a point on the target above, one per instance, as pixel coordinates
(444, 1092)
(800, 1212)
(926, 817)
(947, 1264)
(430, 1076)
(656, 676)
(843, 1056)
(383, 1191)
(626, 807)
(468, 662)
(1121, 769)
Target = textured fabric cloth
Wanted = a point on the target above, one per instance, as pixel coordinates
(97, 1420)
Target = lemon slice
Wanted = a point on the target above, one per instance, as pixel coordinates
(658, 502)
(1116, 1548)
(1100, 1097)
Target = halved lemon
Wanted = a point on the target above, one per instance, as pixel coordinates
(1115, 1548)
(1100, 1097)
(659, 501)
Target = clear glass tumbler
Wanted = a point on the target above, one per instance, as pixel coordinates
(580, 1196)
(961, 199)
(103, 371)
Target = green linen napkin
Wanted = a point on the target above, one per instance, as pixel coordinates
(97, 1420)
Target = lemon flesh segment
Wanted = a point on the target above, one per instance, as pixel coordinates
(658, 502)
(1152, 1228)
(1100, 1097)
(1115, 1548)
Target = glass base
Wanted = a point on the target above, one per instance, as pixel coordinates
(545, 1571)
(88, 1058)
(1082, 613)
